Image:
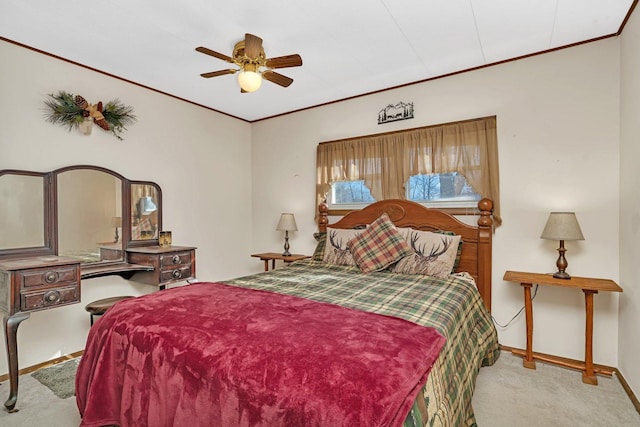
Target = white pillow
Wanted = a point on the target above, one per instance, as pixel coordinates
(434, 253)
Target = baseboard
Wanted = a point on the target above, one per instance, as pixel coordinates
(569, 363)
(561, 361)
(627, 388)
(55, 361)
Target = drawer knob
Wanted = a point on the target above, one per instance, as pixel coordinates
(176, 274)
(176, 259)
(51, 297)
(51, 276)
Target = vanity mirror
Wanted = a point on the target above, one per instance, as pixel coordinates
(25, 226)
(84, 212)
(88, 201)
(145, 214)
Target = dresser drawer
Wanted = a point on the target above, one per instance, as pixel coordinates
(49, 297)
(175, 260)
(177, 273)
(38, 283)
(47, 276)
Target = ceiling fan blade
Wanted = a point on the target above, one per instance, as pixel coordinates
(215, 54)
(218, 73)
(284, 61)
(277, 78)
(252, 46)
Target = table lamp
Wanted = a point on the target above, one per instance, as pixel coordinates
(287, 223)
(116, 222)
(562, 226)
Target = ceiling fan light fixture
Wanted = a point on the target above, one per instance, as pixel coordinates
(253, 64)
(249, 81)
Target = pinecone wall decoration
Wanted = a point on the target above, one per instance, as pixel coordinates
(76, 112)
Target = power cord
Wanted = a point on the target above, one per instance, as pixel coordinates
(535, 292)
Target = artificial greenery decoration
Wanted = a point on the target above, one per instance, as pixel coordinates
(74, 112)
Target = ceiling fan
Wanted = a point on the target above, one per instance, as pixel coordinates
(248, 54)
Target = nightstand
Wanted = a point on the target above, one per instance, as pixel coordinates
(273, 256)
(590, 287)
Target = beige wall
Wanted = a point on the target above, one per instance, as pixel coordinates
(630, 203)
(225, 182)
(198, 157)
(558, 138)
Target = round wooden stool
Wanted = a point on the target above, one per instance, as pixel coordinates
(98, 307)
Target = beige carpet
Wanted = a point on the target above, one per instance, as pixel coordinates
(506, 395)
(509, 395)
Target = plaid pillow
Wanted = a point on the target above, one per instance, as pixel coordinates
(321, 238)
(379, 246)
(144, 229)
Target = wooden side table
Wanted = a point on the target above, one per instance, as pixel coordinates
(273, 256)
(590, 287)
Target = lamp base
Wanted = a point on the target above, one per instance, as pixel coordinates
(286, 244)
(562, 263)
(562, 275)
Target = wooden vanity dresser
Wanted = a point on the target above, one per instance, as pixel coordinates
(46, 282)
(57, 234)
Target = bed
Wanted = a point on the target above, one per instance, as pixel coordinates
(313, 343)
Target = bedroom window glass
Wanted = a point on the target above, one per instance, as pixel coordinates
(449, 189)
(350, 193)
(393, 165)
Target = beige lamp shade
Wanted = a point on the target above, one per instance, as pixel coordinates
(287, 222)
(116, 221)
(562, 226)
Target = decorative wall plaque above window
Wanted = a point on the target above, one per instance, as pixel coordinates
(393, 113)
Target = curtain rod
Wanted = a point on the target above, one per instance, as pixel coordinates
(406, 130)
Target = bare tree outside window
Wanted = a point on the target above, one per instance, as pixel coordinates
(422, 188)
(350, 192)
(444, 186)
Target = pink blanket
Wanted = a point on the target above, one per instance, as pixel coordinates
(210, 354)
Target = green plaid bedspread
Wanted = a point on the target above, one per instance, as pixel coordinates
(453, 306)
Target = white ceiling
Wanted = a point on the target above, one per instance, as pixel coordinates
(348, 47)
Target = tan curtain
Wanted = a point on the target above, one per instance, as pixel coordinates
(386, 161)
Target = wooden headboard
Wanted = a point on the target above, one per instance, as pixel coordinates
(476, 248)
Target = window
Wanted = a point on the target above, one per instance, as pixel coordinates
(443, 190)
(451, 165)
(350, 193)
(446, 189)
